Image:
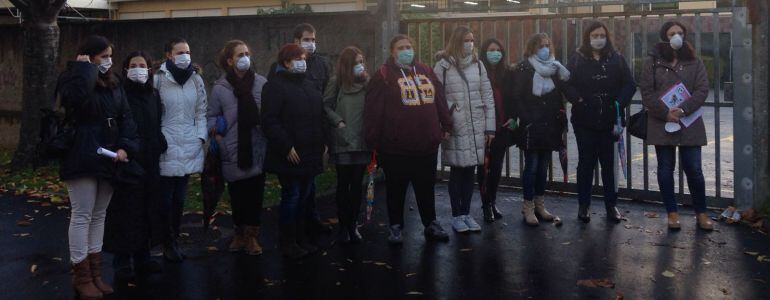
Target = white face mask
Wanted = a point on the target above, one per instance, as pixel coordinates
(243, 64)
(468, 48)
(138, 75)
(598, 44)
(298, 66)
(309, 47)
(105, 65)
(182, 61)
(676, 42)
(358, 70)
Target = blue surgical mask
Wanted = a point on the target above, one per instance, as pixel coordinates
(299, 66)
(405, 57)
(358, 70)
(544, 53)
(494, 57)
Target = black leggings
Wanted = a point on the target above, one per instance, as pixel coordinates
(349, 193)
(246, 197)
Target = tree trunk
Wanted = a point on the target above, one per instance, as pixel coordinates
(41, 53)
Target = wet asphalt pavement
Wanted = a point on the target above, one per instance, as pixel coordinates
(637, 259)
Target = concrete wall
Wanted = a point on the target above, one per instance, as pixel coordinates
(264, 35)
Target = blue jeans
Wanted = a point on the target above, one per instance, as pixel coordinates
(595, 146)
(296, 195)
(173, 191)
(690, 158)
(535, 172)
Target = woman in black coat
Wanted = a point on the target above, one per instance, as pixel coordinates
(94, 99)
(600, 88)
(537, 90)
(134, 223)
(293, 119)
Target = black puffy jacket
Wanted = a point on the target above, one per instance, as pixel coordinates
(293, 116)
(542, 120)
(102, 118)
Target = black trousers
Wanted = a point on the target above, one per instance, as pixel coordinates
(595, 146)
(349, 193)
(400, 171)
(246, 196)
(490, 180)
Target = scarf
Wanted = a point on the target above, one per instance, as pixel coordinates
(248, 116)
(180, 75)
(542, 83)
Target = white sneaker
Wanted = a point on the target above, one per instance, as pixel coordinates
(458, 224)
(471, 223)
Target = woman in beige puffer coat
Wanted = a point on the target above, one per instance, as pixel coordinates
(472, 108)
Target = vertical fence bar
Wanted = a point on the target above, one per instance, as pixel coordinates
(644, 144)
(717, 92)
(629, 54)
(681, 173)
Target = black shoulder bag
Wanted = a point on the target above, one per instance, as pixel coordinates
(57, 133)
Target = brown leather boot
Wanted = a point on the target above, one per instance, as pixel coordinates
(540, 210)
(84, 283)
(238, 240)
(704, 222)
(250, 243)
(528, 210)
(673, 221)
(95, 260)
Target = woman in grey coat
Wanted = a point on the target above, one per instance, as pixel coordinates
(233, 119)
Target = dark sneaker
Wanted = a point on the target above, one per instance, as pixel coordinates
(434, 232)
(395, 235)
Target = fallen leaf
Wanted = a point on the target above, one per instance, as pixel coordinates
(410, 275)
(48, 214)
(725, 291)
(339, 283)
(131, 285)
(760, 258)
(751, 253)
(23, 223)
(466, 250)
(668, 274)
(618, 296)
(33, 268)
(56, 258)
(184, 234)
(332, 221)
(650, 215)
(45, 204)
(566, 243)
(212, 248)
(414, 293)
(593, 283)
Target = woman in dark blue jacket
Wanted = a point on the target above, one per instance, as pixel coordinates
(293, 119)
(601, 87)
(94, 99)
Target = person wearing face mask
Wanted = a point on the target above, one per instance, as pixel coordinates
(344, 106)
(236, 97)
(319, 70)
(294, 123)
(405, 119)
(600, 89)
(671, 62)
(537, 89)
(183, 122)
(472, 108)
(134, 224)
(488, 178)
(96, 104)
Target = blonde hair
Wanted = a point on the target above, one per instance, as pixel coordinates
(534, 44)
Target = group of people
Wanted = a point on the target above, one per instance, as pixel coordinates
(471, 106)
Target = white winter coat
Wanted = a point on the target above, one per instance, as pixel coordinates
(472, 108)
(183, 123)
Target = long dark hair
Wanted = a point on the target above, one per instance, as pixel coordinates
(92, 46)
(128, 83)
(586, 50)
(498, 70)
(345, 64)
(687, 52)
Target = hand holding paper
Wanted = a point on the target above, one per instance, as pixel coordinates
(674, 98)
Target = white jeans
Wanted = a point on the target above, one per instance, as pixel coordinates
(89, 198)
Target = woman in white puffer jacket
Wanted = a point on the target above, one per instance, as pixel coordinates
(472, 108)
(183, 123)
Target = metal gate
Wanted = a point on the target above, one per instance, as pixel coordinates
(721, 38)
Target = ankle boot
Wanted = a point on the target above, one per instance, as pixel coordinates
(704, 222)
(673, 221)
(540, 210)
(251, 240)
(528, 210)
(288, 241)
(84, 283)
(238, 241)
(172, 253)
(583, 214)
(496, 212)
(489, 214)
(613, 214)
(95, 262)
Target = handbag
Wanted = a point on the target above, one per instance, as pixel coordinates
(57, 133)
(637, 124)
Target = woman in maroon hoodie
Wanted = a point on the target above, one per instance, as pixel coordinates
(405, 118)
